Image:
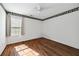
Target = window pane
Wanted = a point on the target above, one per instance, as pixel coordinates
(16, 21)
(16, 25)
(15, 31)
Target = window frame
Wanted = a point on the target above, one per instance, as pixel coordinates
(9, 27)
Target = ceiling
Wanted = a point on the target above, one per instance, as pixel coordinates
(39, 10)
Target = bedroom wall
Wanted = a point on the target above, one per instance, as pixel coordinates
(32, 30)
(63, 29)
(2, 29)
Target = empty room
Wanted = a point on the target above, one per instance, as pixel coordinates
(39, 29)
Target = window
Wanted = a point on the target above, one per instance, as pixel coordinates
(16, 25)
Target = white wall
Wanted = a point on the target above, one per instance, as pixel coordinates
(32, 29)
(2, 29)
(63, 29)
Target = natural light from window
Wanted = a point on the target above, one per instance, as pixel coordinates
(24, 50)
(16, 23)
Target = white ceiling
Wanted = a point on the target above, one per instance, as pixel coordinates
(39, 10)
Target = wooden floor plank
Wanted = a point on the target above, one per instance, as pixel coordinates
(43, 47)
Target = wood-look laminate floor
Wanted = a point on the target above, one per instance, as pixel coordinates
(41, 47)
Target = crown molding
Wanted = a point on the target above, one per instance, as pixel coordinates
(63, 13)
(23, 15)
(20, 14)
(57, 15)
(3, 7)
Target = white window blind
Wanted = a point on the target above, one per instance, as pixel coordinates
(16, 25)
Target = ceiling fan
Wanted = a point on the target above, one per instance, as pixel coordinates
(37, 8)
